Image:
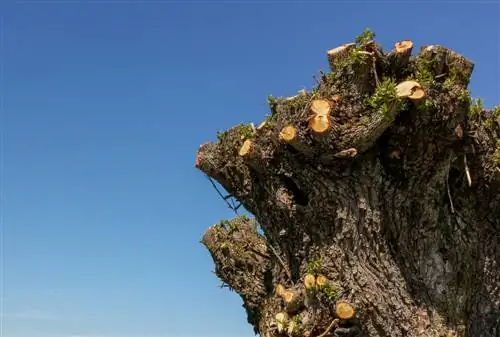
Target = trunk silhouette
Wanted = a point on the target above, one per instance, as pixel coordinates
(378, 198)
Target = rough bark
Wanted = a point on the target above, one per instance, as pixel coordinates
(394, 213)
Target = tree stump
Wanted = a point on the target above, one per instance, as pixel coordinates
(380, 209)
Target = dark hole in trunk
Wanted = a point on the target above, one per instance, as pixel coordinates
(298, 196)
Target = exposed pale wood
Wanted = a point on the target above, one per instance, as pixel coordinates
(349, 153)
(417, 94)
(319, 120)
(321, 107)
(410, 89)
(288, 134)
(406, 88)
(262, 125)
(320, 124)
(281, 319)
(294, 301)
(309, 281)
(400, 55)
(404, 47)
(280, 290)
(344, 310)
(246, 149)
(340, 55)
(321, 280)
(302, 92)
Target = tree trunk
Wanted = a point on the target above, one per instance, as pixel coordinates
(380, 218)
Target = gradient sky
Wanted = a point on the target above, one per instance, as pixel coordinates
(104, 107)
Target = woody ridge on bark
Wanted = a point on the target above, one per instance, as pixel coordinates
(378, 198)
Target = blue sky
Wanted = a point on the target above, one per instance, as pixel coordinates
(104, 107)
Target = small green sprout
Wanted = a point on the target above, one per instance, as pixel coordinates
(385, 98)
(246, 131)
(315, 267)
(477, 106)
(365, 37)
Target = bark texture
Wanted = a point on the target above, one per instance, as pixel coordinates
(393, 211)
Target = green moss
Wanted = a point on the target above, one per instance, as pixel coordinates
(457, 74)
(365, 119)
(489, 123)
(297, 319)
(241, 251)
(271, 101)
(496, 111)
(496, 155)
(365, 37)
(298, 330)
(246, 131)
(330, 291)
(448, 84)
(221, 135)
(477, 107)
(427, 105)
(315, 266)
(423, 73)
(385, 99)
(226, 225)
(465, 97)
(357, 56)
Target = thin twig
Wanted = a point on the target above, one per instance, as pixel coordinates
(448, 185)
(467, 172)
(330, 327)
(375, 70)
(281, 261)
(449, 197)
(224, 198)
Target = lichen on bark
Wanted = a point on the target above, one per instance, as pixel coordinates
(383, 184)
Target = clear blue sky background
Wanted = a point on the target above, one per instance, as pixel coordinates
(104, 107)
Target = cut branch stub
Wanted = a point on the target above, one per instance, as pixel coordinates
(319, 120)
(400, 56)
(290, 135)
(241, 259)
(404, 47)
(309, 281)
(280, 290)
(321, 281)
(410, 89)
(459, 68)
(249, 151)
(344, 310)
(431, 61)
(321, 107)
(441, 62)
(294, 301)
(339, 56)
